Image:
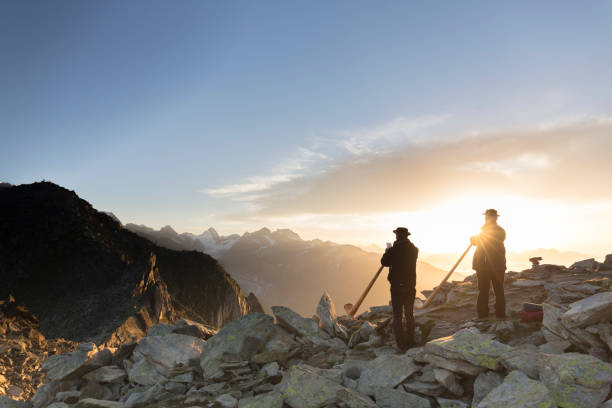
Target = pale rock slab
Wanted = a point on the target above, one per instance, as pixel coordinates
(392, 398)
(388, 370)
(469, 345)
(518, 391)
(237, 341)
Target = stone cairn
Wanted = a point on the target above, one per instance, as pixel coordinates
(287, 360)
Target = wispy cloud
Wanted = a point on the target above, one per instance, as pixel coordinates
(324, 152)
(382, 138)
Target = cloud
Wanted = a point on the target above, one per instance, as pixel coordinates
(308, 161)
(567, 161)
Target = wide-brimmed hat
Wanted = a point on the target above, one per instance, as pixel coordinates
(401, 230)
(491, 212)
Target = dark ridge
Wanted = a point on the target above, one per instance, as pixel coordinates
(86, 278)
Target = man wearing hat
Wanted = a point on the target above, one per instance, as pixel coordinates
(490, 264)
(401, 259)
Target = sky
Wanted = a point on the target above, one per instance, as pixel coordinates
(340, 120)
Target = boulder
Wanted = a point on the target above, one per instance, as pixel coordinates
(168, 352)
(6, 402)
(469, 345)
(392, 398)
(301, 387)
(448, 380)
(388, 371)
(425, 388)
(454, 365)
(523, 358)
(592, 310)
(192, 328)
(518, 391)
(226, 401)
(484, 384)
(279, 347)
(588, 264)
(328, 320)
(95, 403)
(71, 365)
(270, 400)
(144, 398)
(450, 403)
(576, 379)
(107, 374)
(294, 323)
(237, 341)
(58, 404)
(144, 372)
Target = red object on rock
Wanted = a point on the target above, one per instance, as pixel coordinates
(532, 316)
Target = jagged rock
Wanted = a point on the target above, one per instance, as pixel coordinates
(107, 374)
(607, 404)
(554, 347)
(165, 353)
(85, 358)
(454, 365)
(270, 369)
(143, 398)
(175, 387)
(575, 378)
(376, 312)
(145, 373)
(238, 340)
(469, 345)
(297, 324)
(279, 347)
(588, 264)
(425, 388)
(448, 380)
(518, 391)
(450, 403)
(385, 371)
(592, 310)
(192, 328)
(96, 391)
(484, 383)
(269, 400)
(94, 403)
(58, 404)
(523, 358)
(6, 402)
(528, 283)
(227, 401)
(45, 394)
(392, 398)
(328, 320)
(301, 387)
(69, 397)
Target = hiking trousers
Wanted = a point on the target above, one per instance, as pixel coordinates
(402, 302)
(486, 278)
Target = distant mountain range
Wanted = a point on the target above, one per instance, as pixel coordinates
(283, 269)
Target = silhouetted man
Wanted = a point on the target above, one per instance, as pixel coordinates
(490, 264)
(401, 259)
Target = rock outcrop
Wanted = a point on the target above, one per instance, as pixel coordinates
(86, 278)
(294, 362)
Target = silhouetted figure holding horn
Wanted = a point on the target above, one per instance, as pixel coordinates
(401, 259)
(490, 264)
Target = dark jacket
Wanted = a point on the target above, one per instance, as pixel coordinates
(401, 259)
(490, 252)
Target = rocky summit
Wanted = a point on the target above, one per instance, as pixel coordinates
(329, 360)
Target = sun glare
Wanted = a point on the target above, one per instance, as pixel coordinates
(447, 228)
